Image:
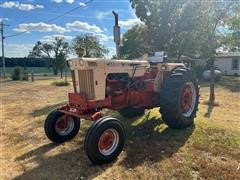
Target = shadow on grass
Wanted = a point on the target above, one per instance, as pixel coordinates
(230, 82)
(147, 139)
(38, 151)
(209, 111)
(210, 107)
(46, 109)
(152, 141)
(72, 164)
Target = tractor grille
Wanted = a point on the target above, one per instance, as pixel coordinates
(74, 81)
(86, 84)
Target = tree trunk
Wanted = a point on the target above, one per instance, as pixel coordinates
(55, 71)
(61, 72)
(65, 76)
(212, 83)
(179, 57)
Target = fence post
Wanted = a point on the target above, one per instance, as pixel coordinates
(32, 75)
(26, 76)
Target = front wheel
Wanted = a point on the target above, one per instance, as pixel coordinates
(179, 96)
(60, 127)
(104, 140)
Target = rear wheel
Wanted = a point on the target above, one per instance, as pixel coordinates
(179, 98)
(131, 112)
(104, 140)
(60, 128)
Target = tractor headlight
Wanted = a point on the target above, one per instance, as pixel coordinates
(81, 62)
(164, 67)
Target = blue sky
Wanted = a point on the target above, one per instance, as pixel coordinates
(33, 15)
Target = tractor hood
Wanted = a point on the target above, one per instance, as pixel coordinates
(92, 63)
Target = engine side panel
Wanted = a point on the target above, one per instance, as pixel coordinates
(101, 68)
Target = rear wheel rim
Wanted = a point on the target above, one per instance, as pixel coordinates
(64, 125)
(188, 99)
(108, 142)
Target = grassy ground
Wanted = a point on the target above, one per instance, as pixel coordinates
(208, 150)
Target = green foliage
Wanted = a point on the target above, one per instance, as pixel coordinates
(41, 50)
(19, 73)
(91, 44)
(233, 36)
(61, 83)
(56, 51)
(26, 62)
(134, 43)
(173, 26)
(185, 27)
(61, 64)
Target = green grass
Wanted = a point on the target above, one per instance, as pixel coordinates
(61, 83)
(230, 82)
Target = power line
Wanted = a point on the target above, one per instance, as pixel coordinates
(2, 40)
(68, 12)
(53, 19)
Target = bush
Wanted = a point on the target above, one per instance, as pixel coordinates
(19, 73)
(61, 83)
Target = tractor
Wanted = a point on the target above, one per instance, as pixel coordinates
(126, 86)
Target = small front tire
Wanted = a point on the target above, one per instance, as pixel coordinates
(59, 128)
(104, 140)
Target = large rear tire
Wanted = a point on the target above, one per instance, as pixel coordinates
(59, 128)
(179, 98)
(104, 140)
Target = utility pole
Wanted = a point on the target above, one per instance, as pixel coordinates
(3, 58)
(116, 34)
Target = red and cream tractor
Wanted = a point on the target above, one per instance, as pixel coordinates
(126, 86)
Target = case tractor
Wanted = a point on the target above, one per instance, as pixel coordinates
(126, 86)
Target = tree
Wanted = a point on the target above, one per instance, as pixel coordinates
(56, 51)
(217, 12)
(134, 43)
(60, 49)
(186, 27)
(232, 38)
(173, 25)
(91, 44)
(41, 50)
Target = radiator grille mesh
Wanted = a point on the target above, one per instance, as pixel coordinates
(86, 84)
(74, 81)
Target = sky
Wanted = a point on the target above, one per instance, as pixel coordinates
(36, 18)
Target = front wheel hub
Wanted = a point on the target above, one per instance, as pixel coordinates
(108, 142)
(64, 125)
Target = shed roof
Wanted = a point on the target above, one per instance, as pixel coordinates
(228, 54)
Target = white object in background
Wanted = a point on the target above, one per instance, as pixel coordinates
(207, 74)
(157, 58)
